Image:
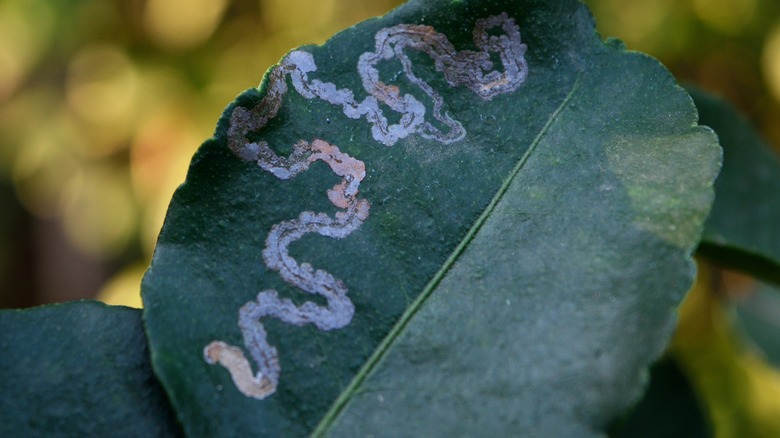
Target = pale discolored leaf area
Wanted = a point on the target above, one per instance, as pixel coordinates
(463, 218)
(79, 369)
(737, 385)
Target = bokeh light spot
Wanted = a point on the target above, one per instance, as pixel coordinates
(180, 24)
(101, 84)
(726, 15)
(25, 29)
(634, 20)
(308, 21)
(125, 288)
(160, 154)
(96, 212)
(771, 61)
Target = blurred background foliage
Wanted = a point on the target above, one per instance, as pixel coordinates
(103, 103)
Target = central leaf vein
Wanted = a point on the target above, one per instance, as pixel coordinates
(399, 327)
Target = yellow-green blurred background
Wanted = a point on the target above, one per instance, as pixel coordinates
(103, 102)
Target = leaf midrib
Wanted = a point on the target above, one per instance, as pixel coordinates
(398, 328)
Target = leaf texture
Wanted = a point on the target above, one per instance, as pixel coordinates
(79, 369)
(460, 218)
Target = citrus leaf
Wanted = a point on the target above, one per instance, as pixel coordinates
(758, 317)
(451, 219)
(743, 230)
(79, 369)
(669, 408)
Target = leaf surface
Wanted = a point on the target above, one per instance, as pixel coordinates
(758, 316)
(743, 229)
(503, 253)
(79, 369)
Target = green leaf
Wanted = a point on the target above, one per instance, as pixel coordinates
(79, 369)
(743, 230)
(504, 256)
(669, 408)
(757, 315)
